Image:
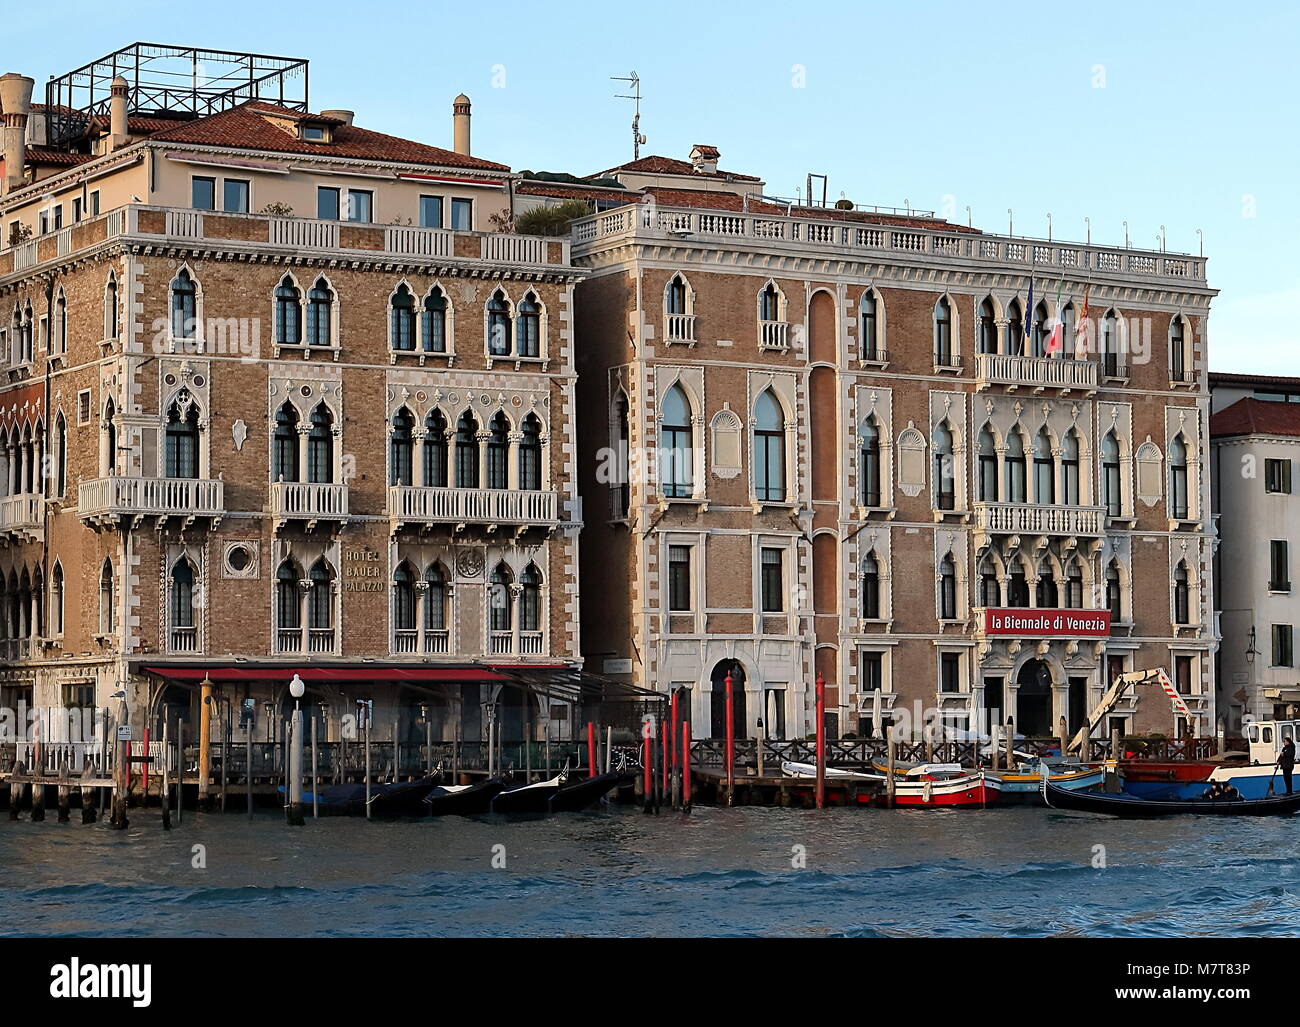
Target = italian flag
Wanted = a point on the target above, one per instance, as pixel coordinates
(1056, 341)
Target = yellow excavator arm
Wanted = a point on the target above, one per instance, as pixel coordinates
(1118, 689)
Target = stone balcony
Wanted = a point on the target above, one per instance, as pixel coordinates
(1036, 519)
(308, 503)
(106, 502)
(21, 517)
(424, 507)
(1037, 374)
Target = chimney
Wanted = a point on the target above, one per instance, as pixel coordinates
(15, 107)
(118, 133)
(705, 158)
(343, 116)
(460, 124)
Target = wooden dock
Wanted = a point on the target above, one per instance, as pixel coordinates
(709, 786)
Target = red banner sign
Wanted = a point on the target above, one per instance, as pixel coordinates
(1047, 623)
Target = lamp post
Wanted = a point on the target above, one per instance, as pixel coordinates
(296, 689)
(118, 818)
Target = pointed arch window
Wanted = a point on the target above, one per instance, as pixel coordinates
(107, 601)
(435, 322)
(110, 439)
(288, 313)
(1039, 331)
(467, 459)
(435, 598)
(498, 451)
(1110, 344)
(945, 482)
(869, 320)
(320, 314)
(1046, 594)
(675, 296)
(1110, 485)
(1074, 587)
(288, 610)
(988, 328)
(60, 481)
(1044, 481)
(620, 487)
(402, 314)
(1018, 588)
(1070, 469)
(870, 485)
(182, 605)
(1178, 498)
(499, 598)
(675, 438)
(111, 316)
(530, 326)
(404, 598)
(1182, 595)
(769, 303)
(990, 586)
(400, 441)
(320, 599)
(988, 466)
(1113, 596)
(947, 589)
(530, 454)
(530, 599)
(1015, 336)
(56, 599)
(943, 332)
(498, 325)
(871, 587)
(1178, 349)
(61, 323)
(181, 443)
(1068, 322)
(184, 301)
(435, 449)
(320, 446)
(769, 448)
(284, 444)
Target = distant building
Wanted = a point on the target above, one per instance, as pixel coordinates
(1255, 443)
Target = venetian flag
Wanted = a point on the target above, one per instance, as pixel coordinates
(1029, 319)
(1056, 341)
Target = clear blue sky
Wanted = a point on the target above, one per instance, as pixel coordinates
(1175, 114)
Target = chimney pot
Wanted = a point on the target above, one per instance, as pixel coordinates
(460, 115)
(15, 108)
(118, 133)
(343, 116)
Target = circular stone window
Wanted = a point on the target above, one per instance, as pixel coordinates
(241, 560)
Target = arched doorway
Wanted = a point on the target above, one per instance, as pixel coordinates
(1034, 700)
(718, 699)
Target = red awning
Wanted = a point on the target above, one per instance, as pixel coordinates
(379, 672)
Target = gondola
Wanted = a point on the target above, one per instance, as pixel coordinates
(401, 798)
(1124, 805)
(581, 794)
(534, 798)
(462, 800)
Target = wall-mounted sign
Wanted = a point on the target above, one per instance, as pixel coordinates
(617, 667)
(1047, 623)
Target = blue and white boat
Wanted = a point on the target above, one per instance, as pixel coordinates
(1265, 739)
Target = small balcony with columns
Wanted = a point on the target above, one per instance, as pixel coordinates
(107, 503)
(425, 506)
(307, 502)
(22, 513)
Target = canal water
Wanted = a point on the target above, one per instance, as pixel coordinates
(619, 872)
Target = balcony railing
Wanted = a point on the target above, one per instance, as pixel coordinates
(501, 643)
(1033, 519)
(16, 648)
(308, 501)
(102, 501)
(679, 328)
(20, 515)
(185, 640)
(773, 335)
(413, 504)
(406, 640)
(1036, 373)
(437, 642)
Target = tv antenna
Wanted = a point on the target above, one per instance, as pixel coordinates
(637, 137)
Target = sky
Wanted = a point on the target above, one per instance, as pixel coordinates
(1181, 115)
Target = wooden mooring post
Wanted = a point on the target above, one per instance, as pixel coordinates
(87, 793)
(16, 790)
(890, 783)
(38, 793)
(65, 794)
(686, 764)
(165, 799)
(117, 817)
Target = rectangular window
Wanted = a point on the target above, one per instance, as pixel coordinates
(361, 205)
(76, 210)
(462, 215)
(203, 193)
(58, 216)
(950, 672)
(43, 220)
(430, 211)
(1282, 654)
(94, 203)
(873, 672)
(83, 407)
(235, 195)
(1277, 476)
(1279, 566)
(1183, 674)
(313, 133)
(771, 574)
(679, 577)
(327, 203)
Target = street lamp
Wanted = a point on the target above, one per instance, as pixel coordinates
(1251, 651)
(296, 689)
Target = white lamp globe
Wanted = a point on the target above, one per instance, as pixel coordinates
(296, 687)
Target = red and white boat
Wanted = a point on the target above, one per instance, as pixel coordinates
(946, 784)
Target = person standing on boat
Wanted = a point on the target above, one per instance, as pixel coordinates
(1286, 762)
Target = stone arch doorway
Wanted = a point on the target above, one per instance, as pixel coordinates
(718, 699)
(1034, 700)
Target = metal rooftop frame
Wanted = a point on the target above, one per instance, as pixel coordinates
(182, 81)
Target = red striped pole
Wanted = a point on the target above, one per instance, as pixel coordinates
(144, 769)
(731, 742)
(591, 748)
(686, 762)
(821, 741)
(672, 749)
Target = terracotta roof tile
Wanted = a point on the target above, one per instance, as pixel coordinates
(710, 200)
(656, 165)
(1256, 417)
(566, 190)
(44, 155)
(244, 128)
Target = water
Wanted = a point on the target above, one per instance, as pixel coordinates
(716, 872)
